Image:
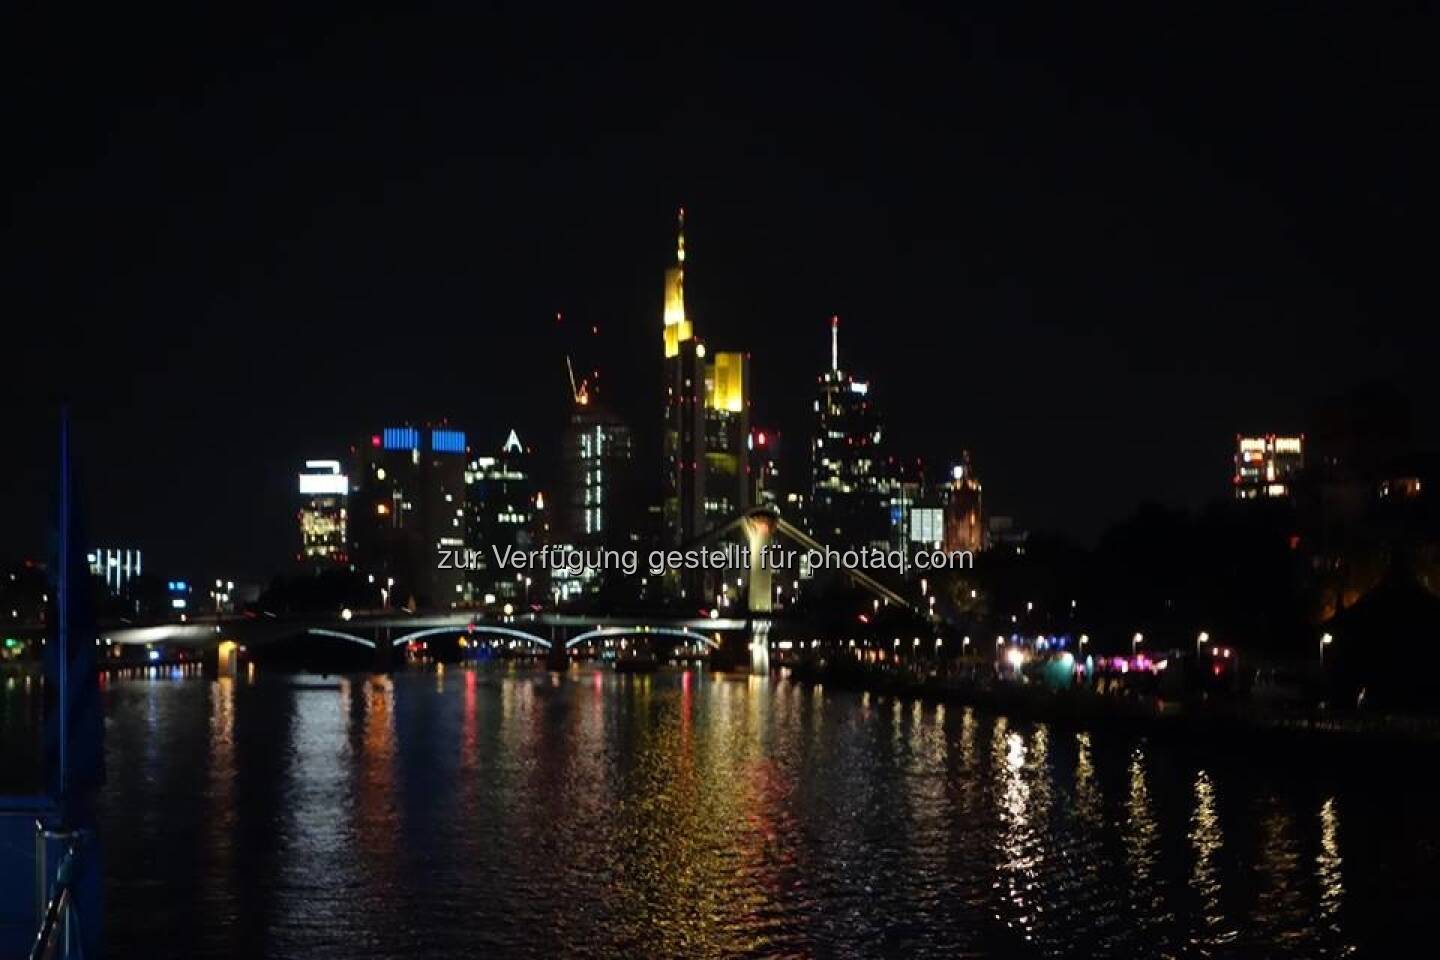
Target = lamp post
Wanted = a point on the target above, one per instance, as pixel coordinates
(1135, 642)
(1325, 640)
(1200, 640)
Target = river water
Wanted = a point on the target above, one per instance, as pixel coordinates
(490, 812)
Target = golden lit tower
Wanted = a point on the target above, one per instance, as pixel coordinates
(727, 431)
(677, 325)
(683, 498)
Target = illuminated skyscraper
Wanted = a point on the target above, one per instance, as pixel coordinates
(707, 421)
(683, 439)
(964, 511)
(600, 501)
(901, 484)
(324, 515)
(849, 502)
(1266, 466)
(117, 567)
(500, 512)
(727, 437)
(410, 512)
(765, 479)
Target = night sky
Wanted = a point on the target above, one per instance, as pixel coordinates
(1088, 248)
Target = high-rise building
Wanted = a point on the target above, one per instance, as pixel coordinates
(848, 494)
(1266, 466)
(600, 501)
(116, 566)
(901, 484)
(501, 507)
(763, 447)
(964, 510)
(324, 515)
(683, 438)
(410, 512)
(706, 424)
(727, 437)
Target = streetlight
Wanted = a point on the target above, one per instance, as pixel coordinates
(1135, 642)
(1084, 639)
(1324, 639)
(1200, 641)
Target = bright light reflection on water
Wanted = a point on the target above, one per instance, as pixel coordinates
(498, 813)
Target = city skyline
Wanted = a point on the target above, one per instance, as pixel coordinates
(903, 201)
(885, 480)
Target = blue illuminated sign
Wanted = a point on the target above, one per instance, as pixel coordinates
(401, 438)
(447, 441)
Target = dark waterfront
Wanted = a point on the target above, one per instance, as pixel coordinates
(478, 812)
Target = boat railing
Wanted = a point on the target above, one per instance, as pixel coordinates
(57, 938)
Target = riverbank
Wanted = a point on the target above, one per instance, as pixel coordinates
(1236, 720)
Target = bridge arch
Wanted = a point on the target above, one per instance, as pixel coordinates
(471, 629)
(604, 632)
(338, 635)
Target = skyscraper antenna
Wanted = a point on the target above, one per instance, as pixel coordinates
(835, 343)
(680, 238)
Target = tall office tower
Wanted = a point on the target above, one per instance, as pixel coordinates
(116, 566)
(600, 502)
(683, 438)
(964, 511)
(763, 447)
(323, 516)
(410, 511)
(848, 502)
(727, 437)
(902, 488)
(500, 514)
(1266, 466)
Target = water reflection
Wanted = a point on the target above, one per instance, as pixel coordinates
(1206, 840)
(504, 813)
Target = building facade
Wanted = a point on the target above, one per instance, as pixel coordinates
(727, 437)
(1267, 466)
(705, 471)
(324, 516)
(409, 512)
(501, 512)
(964, 509)
(849, 498)
(116, 566)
